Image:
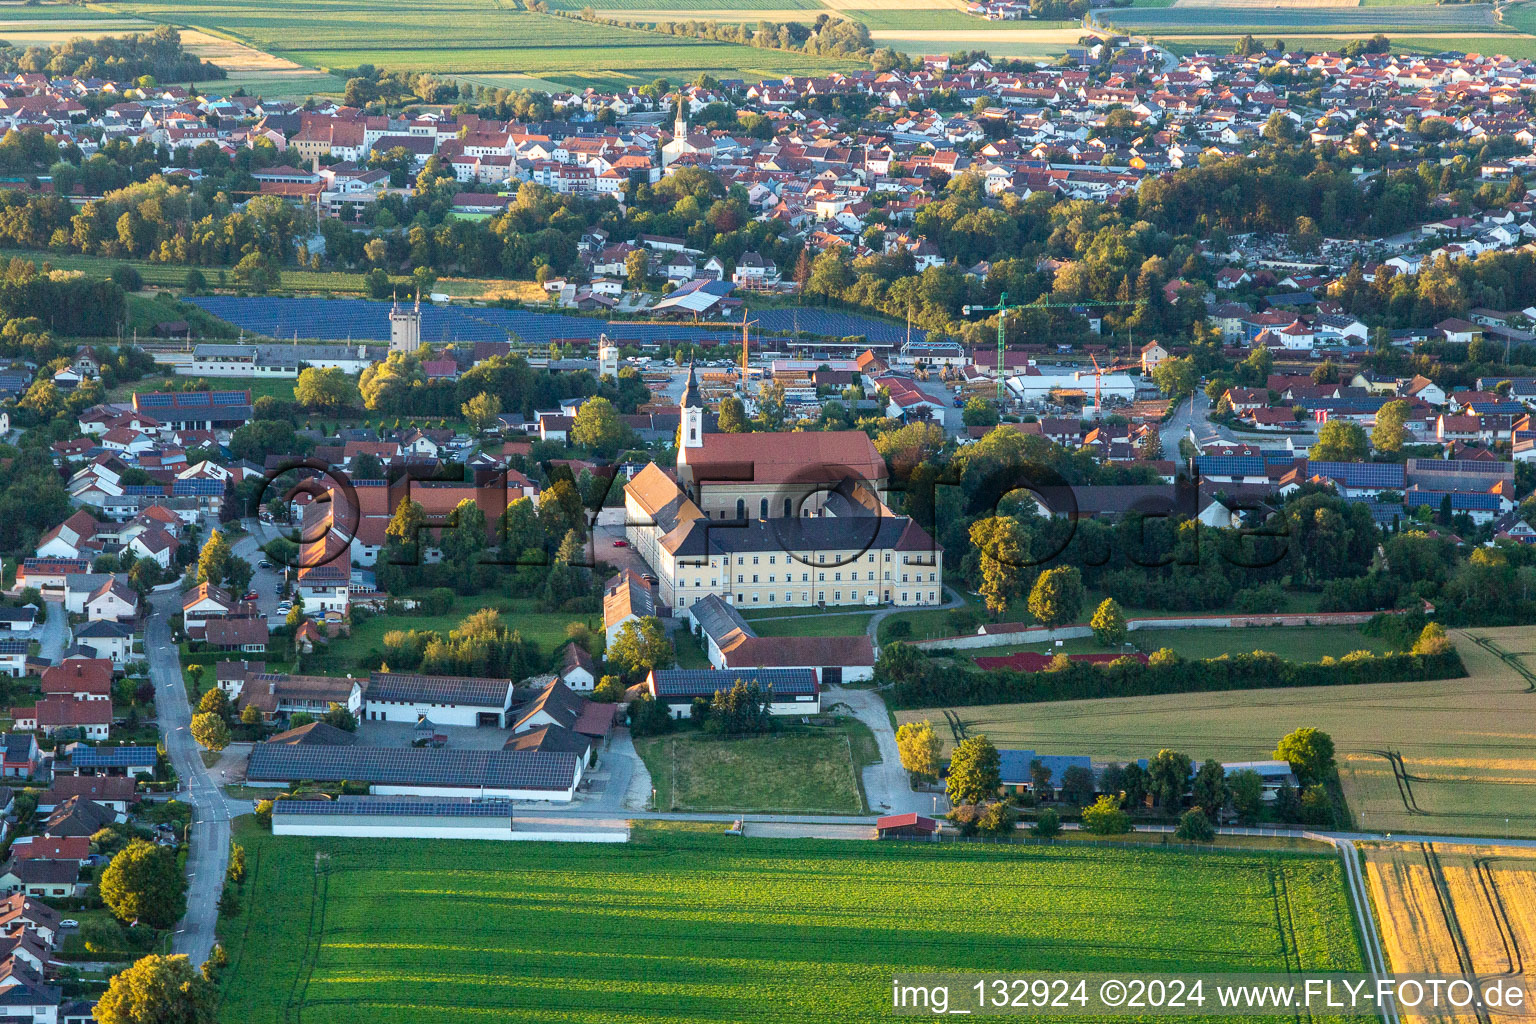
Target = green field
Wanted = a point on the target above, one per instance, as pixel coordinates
(1227, 20)
(1293, 643)
(684, 925)
(813, 625)
(469, 37)
(812, 770)
(347, 654)
(1466, 745)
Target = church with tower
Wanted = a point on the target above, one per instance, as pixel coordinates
(683, 143)
(787, 518)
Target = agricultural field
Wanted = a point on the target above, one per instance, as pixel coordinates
(813, 625)
(1186, 19)
(1445, 909)
(467, 37)
(810, 770)
(1455, 757)
(684, 924)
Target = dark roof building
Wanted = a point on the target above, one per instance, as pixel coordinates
(426, 771)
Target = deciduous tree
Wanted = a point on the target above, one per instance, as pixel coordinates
(144, 884)
(919, 747)
(975, 772)
(158, 990)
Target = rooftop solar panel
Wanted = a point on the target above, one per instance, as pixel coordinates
(397, 806)
(421, 766)
(111, 757)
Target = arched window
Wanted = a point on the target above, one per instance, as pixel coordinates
(741, 509)
(763, 508)
(789, 511)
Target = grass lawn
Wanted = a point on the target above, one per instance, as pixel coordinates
(806, 769)
(1293, 643)
(363, 650)
(813, 625)
(686, 925)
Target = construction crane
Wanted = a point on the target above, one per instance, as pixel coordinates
(1002, 309)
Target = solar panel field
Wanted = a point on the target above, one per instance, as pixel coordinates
(684, 924)
(356, 319)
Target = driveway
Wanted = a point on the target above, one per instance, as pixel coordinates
(885, 784)
(263, 581)
(208, 858)
(53, 635)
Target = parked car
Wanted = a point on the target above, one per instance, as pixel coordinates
(621, 543)
(69, 923)
(251, 596)
(265, 563)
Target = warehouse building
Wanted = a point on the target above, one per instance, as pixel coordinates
(422, 771)
(790, 691)
(380, 817)
(446, 700)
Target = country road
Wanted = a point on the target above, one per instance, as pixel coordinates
(209, 856)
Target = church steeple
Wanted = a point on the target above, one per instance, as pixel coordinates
(680, 125)
(692, 405)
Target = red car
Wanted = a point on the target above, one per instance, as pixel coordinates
(621, 543)
(251, 596)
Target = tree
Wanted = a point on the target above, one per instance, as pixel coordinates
(640, 645)
(597, 426)
(1247, 794)
(1176, 376)
(733, 416)
(1391, 426)
(1105, 818)
(214, 702)
(1134, 783)
(1195, 827)
(919, 747)
(975, 772)
(772, 405)
(1168, 778)
(214, 560)
(328, 390)
(210, 730)
(609, 690)
(979, 412)
(1340, 441)
(1000, 543)
(158, 990)
(481, 411)
(1309, 752)
(1047, 824)
(144, 884)
(338, 717)
(1077, 785)
(250, 715)
(1057, 596)
(637, 268)
(1210, 788)
(1432, 640)
(1108, 623)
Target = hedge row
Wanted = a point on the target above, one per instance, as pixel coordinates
(955, 687)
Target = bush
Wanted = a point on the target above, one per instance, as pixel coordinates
(127, 278)
(263, 813)
(898, 629)
(1047, 825)
(916, 686)
(1105, 818)
(997, 820)
(1195, 827)
(438, 601)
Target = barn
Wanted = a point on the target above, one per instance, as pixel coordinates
(446, 700)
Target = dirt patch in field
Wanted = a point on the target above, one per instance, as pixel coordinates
(236, 58)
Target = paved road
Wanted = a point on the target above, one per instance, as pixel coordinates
(263, 581)
(886, 784)
(209, 856)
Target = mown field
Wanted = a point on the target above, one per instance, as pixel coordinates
(1179, 19)
(686, 924)
(1293, 643)
(806, 770)
(1453, 756)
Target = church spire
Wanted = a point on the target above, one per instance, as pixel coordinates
(680, 126)
(691, 395)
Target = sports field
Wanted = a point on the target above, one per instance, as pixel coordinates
(690, 925)
(1454, 756)
(1446, 909)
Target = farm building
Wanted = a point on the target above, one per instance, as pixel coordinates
(422, 771)
(407, 817)
(446, 700)
(733, 644)
(906, 826)
(1014, 768)
(790, 691)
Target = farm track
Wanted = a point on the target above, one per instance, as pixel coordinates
(1514, 958)
(1359, 895)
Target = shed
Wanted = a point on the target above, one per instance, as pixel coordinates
(906, 826)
